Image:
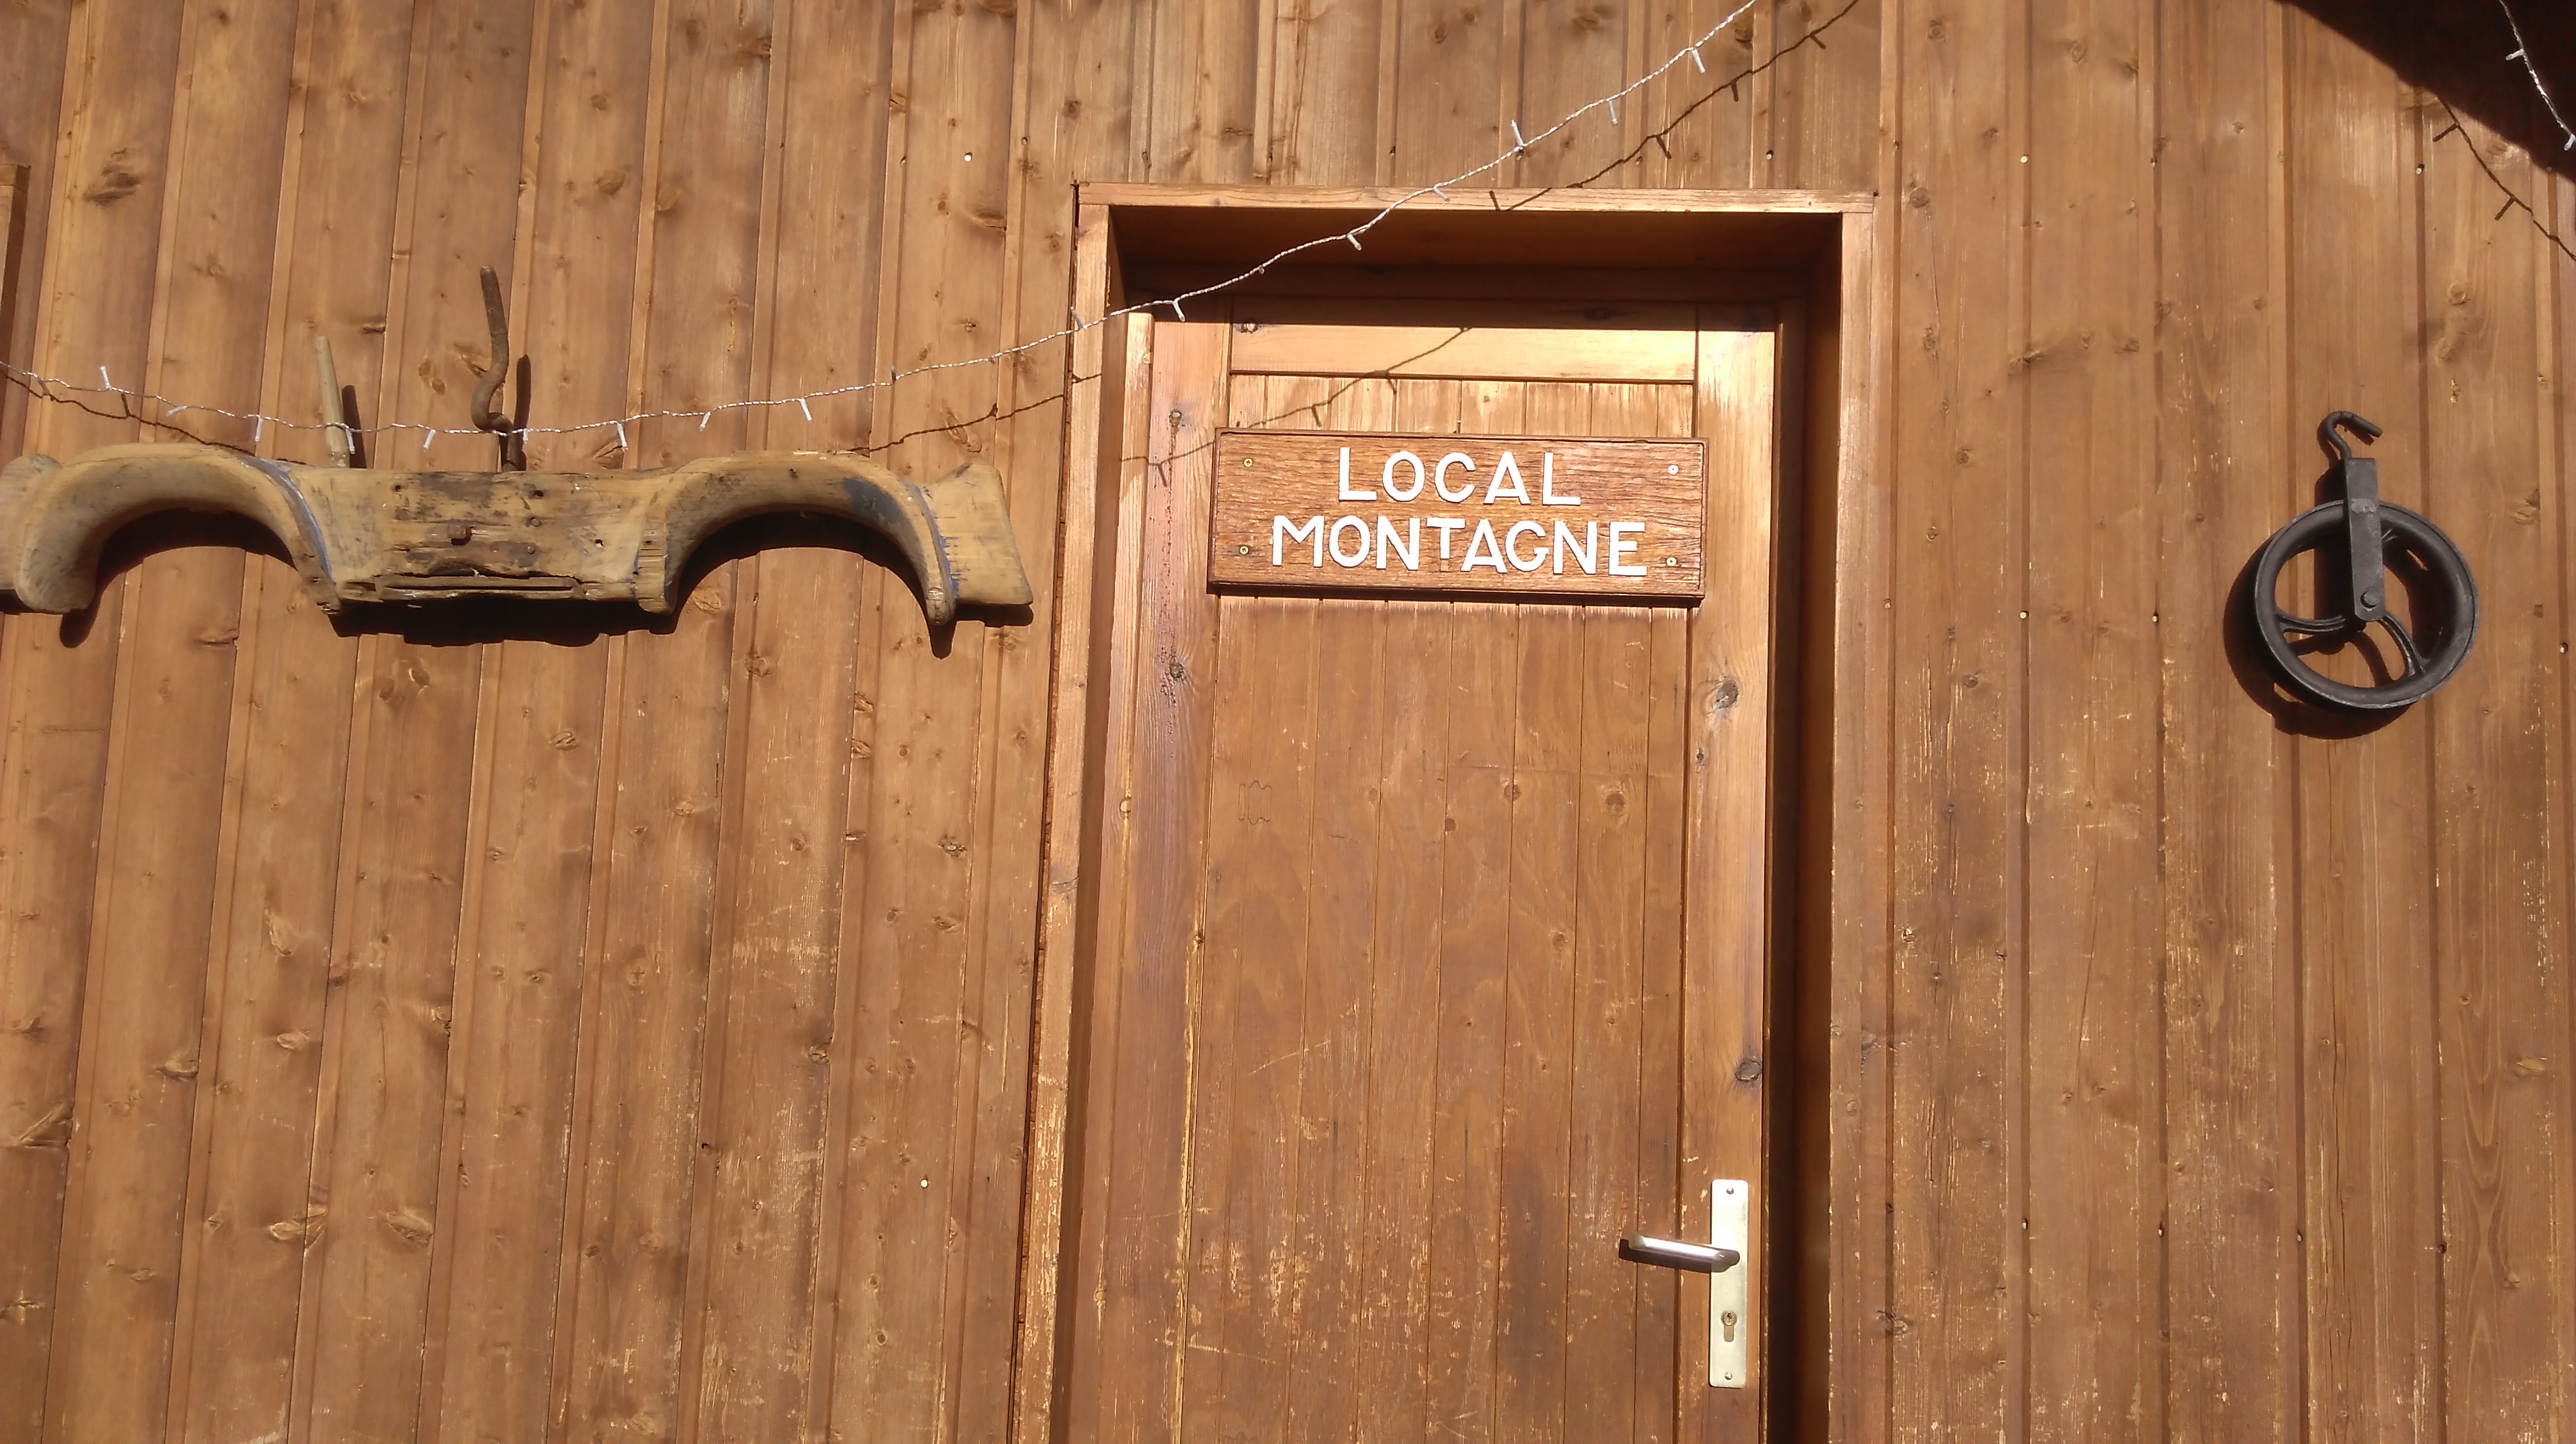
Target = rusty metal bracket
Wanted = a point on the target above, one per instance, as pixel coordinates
(514, 442)
(421, 536)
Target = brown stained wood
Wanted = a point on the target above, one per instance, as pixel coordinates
(1820, 135)
(466, 114)
(2095, 1180)
(1459, 1363)
(1540, 903)
(1611, 1013)
(2500, 926)
(1323, 79)
(249, 98)
(1521, 514)
(61, 700)
(376, 1186)
(1247, 1273)
(1391, 1295)
(779, 933)
(33, 39)
(1147, 963)
(1960, 687)
(1199, 75)
(1567, 55)
(2231, 1116)
(916, 1219)
(1105, 899)
(1711, 144)
(631, 1219)
(1102, 367)
(1437, 132)
(520, 962)
(271, 929)
(1728, 714)
(2371, 1220)
(141, 1037)
(1464, 352)
(588, 195)
(1338, 1009)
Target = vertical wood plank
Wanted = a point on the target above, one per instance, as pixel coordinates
(589, 188)
(242, 1284)
(1445, 125)
(2499, 788)
(33, 42)
(519, 959)
(1572, 53)
(1824, 132)
(1082, 71)
(2369, 1220)
(1415, 664)
(1539, 902)
(2092, 1093)
(1099, 1009)
(1150, 962)
(124, 1237)
(386, 1080)
(1459, 1365)
(62, 674)
(1959, 678)
(2231, 1112)
(1726, 736)
(1205, 72)
(1323, 81)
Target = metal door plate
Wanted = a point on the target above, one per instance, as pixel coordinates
(1730, 1312)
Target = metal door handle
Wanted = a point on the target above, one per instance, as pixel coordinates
(1730, 1301)
(1698, 1258)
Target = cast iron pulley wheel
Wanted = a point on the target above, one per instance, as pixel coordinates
(2429, 661)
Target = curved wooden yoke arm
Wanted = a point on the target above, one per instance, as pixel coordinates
(417, 536)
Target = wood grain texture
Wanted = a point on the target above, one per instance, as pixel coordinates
(2498, 941)
(2092, 1086)
(2369, 1224)
(2235, 1109)
(2231, 1117)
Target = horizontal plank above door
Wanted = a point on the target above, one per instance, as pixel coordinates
(1466, 353)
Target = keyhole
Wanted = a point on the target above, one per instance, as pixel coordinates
(1726, 1321)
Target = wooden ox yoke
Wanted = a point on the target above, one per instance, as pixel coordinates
(358, 535)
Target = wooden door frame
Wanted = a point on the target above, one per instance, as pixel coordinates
(1817, 248)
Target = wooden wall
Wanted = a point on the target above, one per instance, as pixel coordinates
(494, 1030)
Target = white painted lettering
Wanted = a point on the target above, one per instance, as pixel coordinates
(1440, 478)
(1620, 548)
(1410, 549)
(1388, 481)
(1357, 557)
(1547, 485)
(1282, 530)
(1586, 556)
(1445, 525)
(1504, 469)
(1346, 494)
(1512, 545)
(1483, 540)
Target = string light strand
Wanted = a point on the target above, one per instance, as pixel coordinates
(2548, 102)
(130, 403)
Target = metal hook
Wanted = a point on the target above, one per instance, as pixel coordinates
(2344, 421)
(514, 447)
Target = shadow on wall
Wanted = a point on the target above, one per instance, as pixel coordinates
(2459, 49)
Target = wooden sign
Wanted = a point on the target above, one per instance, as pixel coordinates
(1585, 517)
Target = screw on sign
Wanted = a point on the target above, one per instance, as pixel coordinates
(2370, 531)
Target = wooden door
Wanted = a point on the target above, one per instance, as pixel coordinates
(1427, 952)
